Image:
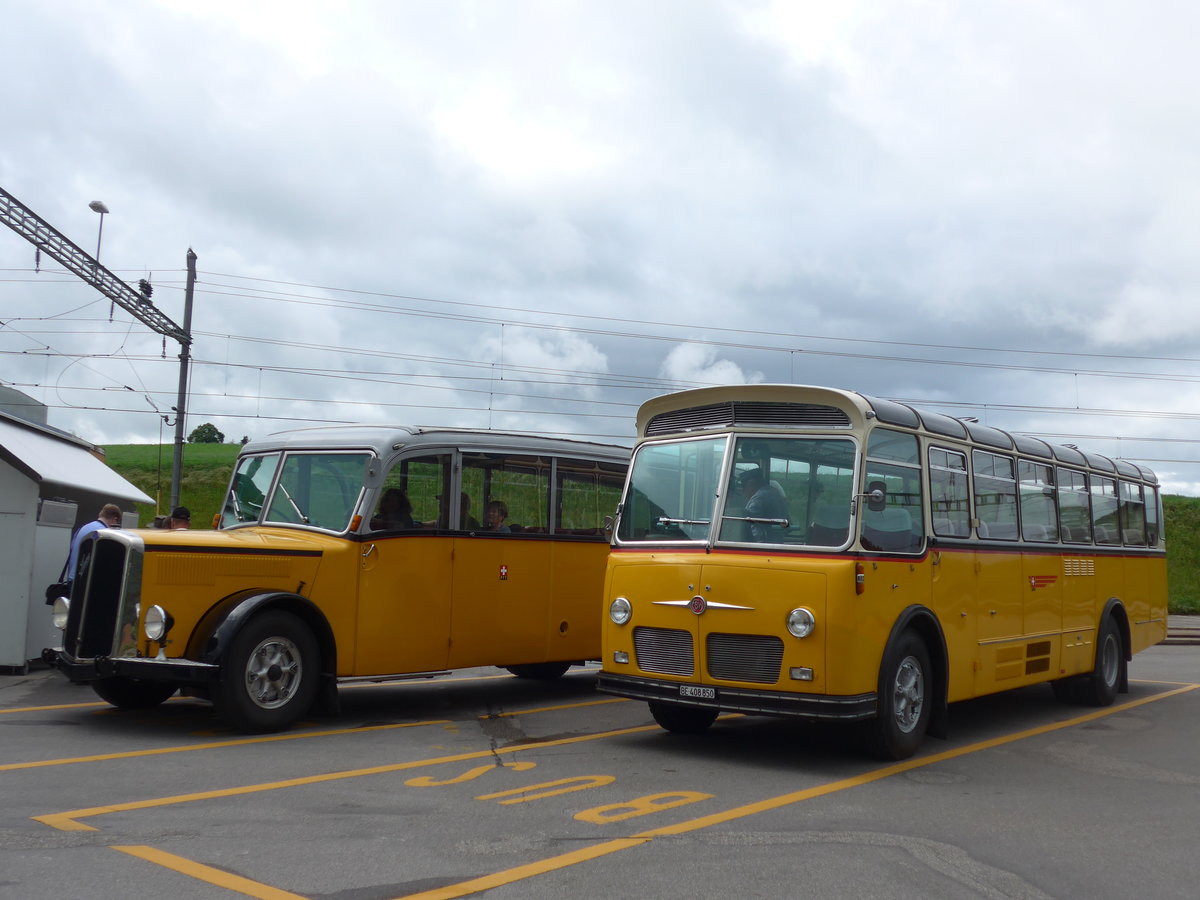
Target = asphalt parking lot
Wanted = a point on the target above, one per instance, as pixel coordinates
(481, 784)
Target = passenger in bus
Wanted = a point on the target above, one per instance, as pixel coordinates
(466, 521)
(763, 501)
(494, 515)
(395, 511)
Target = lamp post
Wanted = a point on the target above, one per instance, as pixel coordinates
(98, 206)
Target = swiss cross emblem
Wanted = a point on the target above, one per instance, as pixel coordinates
(504, 573)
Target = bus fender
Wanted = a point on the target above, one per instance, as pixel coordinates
(213, 637)
(1115, 608)
(922, 620)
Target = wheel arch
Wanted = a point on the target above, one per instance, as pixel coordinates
(211, 640)
(923, 621)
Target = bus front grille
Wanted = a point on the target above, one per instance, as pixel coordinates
(667, 651)
(744, 657)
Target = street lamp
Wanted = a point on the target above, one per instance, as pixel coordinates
(98, 206)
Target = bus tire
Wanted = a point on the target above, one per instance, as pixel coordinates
(904, 701)
(1100, 688)
(132, 693)
(682, 719)
(547, 671)
(269, 678)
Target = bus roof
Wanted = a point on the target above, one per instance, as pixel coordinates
(386, 439)
(784, 406)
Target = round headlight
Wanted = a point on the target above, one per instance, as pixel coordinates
(620, 611)
(157, 623)
(58, 613)
(800, 622)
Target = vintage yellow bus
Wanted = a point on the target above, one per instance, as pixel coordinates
(813, 552)
(349, 554)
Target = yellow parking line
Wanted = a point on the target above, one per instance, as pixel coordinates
(68, 821)
(213, 876)
(530, 870)
(189, 748)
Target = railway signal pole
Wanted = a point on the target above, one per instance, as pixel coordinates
(46, 238)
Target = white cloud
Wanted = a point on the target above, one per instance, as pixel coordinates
(698, 364)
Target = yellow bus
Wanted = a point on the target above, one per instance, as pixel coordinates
(813, 552)
(348, 554)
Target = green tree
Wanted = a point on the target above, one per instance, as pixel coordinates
(206, 434)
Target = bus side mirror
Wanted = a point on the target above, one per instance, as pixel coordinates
(876, 496)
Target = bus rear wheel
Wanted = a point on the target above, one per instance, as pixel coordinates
(1100, 688)
(270, 676)
(903, 701)
(682, 719)
(132, 693)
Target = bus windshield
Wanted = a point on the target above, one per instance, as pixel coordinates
(672, 489)
(776, 490)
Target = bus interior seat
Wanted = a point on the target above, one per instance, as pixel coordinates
(888, 529)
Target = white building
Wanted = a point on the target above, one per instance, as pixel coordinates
(50, 483)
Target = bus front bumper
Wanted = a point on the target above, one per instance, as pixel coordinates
(82, 671)
(819, 707)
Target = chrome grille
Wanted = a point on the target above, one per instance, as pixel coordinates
(719, 415)
(668, 651)
(744, 657)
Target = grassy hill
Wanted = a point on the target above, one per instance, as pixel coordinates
(207, 467)
(206, 471)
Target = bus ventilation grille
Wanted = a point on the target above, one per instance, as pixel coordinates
(667, 651)
(724, 415)
(744, 657)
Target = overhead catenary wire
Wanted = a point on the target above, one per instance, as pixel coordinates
(517, 378)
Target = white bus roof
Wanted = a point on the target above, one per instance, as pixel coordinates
(384, 440)
(783, 406)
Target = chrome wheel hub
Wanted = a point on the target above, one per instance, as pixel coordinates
(273, 672)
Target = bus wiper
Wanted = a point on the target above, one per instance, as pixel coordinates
(759, 521)
(299, 511)
(667, 520)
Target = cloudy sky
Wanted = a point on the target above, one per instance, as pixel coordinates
(536, 215)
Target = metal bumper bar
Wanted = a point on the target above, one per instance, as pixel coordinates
(747, 700)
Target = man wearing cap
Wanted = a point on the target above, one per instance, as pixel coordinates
(180, 518)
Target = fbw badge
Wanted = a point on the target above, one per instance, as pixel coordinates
(504, 573)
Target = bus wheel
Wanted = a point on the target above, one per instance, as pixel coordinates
(682, 719)
(270, 676)
(540, 671)
(1100, 688)
(132, 693)
(904, 701)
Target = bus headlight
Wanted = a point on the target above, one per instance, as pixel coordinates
(157, 623)
(620, 611)
(58, 613)
(800, 622)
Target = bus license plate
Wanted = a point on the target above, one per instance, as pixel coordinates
(700, 693)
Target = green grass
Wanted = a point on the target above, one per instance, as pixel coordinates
(207, 467)
(206, 471)
(1182, 516)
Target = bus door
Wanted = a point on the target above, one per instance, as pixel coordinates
(1078, 571)
(955, 589)
(406, 572)
(502, 569)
